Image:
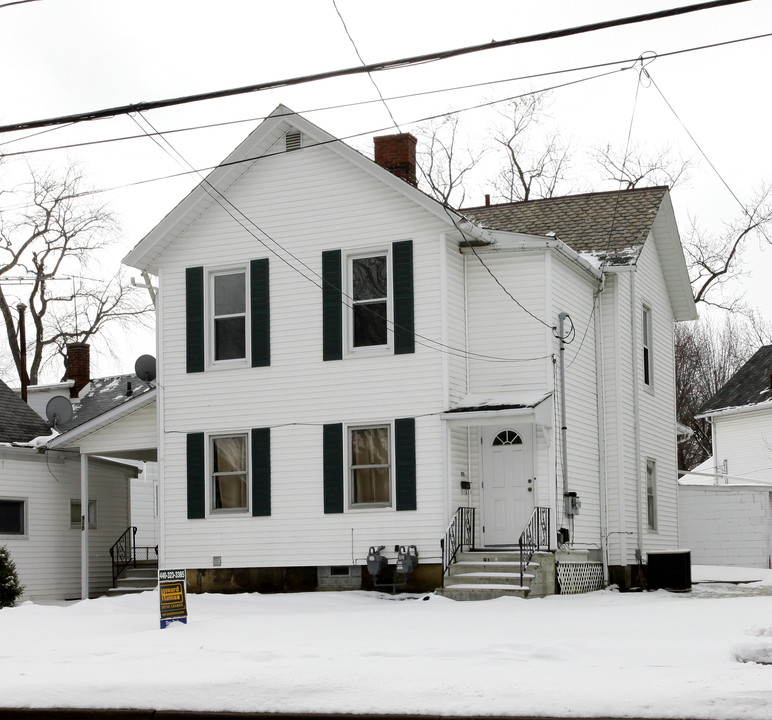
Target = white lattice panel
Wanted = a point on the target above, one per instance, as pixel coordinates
(580, 577)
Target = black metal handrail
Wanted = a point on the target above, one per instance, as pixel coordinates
(460, 532)
(122, 552)
(535, 537)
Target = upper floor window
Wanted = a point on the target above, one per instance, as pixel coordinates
(369, 291)
(229, 485)
(648, 367)
(229, 315)
(13, 517)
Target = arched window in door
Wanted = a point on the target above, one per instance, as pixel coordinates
(507, 437)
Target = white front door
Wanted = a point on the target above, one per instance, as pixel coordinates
(507, 485)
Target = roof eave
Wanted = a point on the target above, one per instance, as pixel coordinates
(70, 438)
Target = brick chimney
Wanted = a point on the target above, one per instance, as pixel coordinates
(78, 366)
(396, 153)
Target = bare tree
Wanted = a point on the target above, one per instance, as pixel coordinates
(444, 165)
(707, 355)
(714, 259)
(49, 261)
(536, 161)
(636, 167)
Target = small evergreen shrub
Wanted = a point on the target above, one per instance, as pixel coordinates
(10, 587)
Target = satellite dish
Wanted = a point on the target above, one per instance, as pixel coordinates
(58, 410)
(145, 368)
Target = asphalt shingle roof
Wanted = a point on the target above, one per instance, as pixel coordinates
(19, 423)
(750, 385)
(610, 225)
(105, 394)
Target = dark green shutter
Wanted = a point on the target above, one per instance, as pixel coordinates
(404, 323)
(196, 476)
(194, 319)
(404, 465)
(333, 468)
(260, 312)
(332, 306)
(261, 471)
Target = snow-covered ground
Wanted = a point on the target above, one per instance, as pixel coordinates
(659, 654)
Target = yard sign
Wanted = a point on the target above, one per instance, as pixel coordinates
(172, 594)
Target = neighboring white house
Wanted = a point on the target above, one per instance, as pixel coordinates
(40, 507)
(344, 362)
(725, 504)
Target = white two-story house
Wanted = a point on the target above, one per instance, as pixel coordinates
(344, 362)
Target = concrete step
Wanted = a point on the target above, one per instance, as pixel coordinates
(467, 592)
(139, 573)
(495, 566)
(489, 555)
(486, 578)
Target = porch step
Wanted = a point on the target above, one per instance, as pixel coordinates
(491, 573)
(136, 579)
(465, 592)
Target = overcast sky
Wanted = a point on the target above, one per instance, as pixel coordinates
(68, 56)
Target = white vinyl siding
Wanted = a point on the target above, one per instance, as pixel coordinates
(47, 557)
(308, 201)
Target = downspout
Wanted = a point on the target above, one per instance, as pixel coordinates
(601, 410)
(636, 420)
(564, 440)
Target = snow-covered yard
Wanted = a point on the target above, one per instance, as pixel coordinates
(604, 654)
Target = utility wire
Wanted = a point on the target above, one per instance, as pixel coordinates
(359, 70)
(359, 103)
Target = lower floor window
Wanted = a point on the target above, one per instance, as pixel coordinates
(13, 517)
(229, 473)
(75, 514)
(370, 474)
(651, 493)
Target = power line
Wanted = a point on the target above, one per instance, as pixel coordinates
(362, 69)
(359, 103)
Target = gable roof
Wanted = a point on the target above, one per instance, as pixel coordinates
(19, 423)
(258, 143)
(610, 227)
(749, 386)
(104, 396)
(613, 226)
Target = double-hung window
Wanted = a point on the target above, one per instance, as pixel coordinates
(370, 466)
(229, 485)
(369, 292)
(13, 517)
(651, 493)
(229, 315)
(648, 367)
(75, 514)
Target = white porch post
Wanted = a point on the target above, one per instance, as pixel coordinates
(84, 527)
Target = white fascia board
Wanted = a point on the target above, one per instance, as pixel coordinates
(664, 230)
(146, 253)
(764, 406)
(70, 438)
(504, 241)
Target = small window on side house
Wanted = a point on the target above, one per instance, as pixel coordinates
(229, 315)
(651, 493)
(229, 475)
(13, 517)
(75, 514)
(370, 466)
(648, 366)
(369, 284)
